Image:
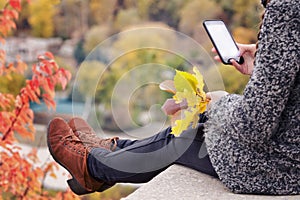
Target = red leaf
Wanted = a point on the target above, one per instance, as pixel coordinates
(63, 82)
(48, 69)
(50, 103)
(24, 132)
(16, 4)
(50, 84)
(14, 14)
(49, 55)
(68, 75)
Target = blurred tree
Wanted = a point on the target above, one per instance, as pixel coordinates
(23, 23)
(246, 13)
(194, 12)
(140, 39)
(126, 18)
(127, 67)
(12, 84)
(119, 5)
(67, 13)
(233, 80)
(71, 19)
(165, 11)
(95, 36)
(101, 11)
(241, 13)
(143, 8)
(79, 53)
(87, 79)
(245, 35)
(41, 17)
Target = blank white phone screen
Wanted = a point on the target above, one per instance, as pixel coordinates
(223, 41)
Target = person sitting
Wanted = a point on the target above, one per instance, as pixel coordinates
(251, 142)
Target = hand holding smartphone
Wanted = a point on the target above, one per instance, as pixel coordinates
(222, 41)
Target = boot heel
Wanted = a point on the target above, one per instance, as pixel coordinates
(77, 188)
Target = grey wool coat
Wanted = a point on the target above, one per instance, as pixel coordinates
(253, 139)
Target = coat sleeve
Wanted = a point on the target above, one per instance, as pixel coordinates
(253, 117)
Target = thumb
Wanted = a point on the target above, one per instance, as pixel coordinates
(208, 95)
(215, 95)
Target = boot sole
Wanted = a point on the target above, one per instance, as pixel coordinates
(75, 186)
(79, 190)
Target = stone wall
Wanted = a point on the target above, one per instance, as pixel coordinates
(178, 182)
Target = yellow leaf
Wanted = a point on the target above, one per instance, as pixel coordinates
(189, 87)
(189, 119)
(184, 81)
(200, 82)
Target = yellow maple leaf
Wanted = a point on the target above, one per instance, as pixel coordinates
(184, 81)
(200, 83)
(190, 88)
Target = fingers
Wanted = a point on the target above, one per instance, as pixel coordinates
(241, 68)
(183, 104)
(235, 64)
(216, 94)
(251, 48)
(217, 58)
(208, 95)
(170, 107)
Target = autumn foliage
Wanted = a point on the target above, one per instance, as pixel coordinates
(187, 88)
(20, 176)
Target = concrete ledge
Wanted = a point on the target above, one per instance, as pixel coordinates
(178, 182)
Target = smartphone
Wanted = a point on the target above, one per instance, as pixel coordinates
(222, 41)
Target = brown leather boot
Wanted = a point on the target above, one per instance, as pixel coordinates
(88, 136)
(70, 152)
(90, 140)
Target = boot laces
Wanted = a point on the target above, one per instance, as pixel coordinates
(110, 143)
(73, 143)
(92, 140)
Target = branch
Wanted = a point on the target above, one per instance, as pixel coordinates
(18, 111)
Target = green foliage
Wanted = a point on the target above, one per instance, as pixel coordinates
(143, 8)
(12, 84)
(41, 17)
(87, 77)
(126, 18)
(95, 36)
(133, 59)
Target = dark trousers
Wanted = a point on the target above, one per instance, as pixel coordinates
(138, 161)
